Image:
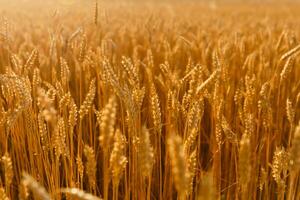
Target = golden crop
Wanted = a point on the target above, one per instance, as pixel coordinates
(149, 100)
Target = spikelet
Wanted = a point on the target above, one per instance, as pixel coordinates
(155, 109)
(195, 113)
(98, 115)
(8, 169)
(179, 165)
(192, 164)
(60, 138)
(17, 93)
(295, 153)
(249, 124)
(187, 97)
(216, 96)
(43, 132)
(109, 76)
(216, 60)
(249, 95)
(23, 191)
(279, 164)
(264, 106)
(244, 160)
(30, 61)
(165, 68)
(190, 140)
(80, 167)
(290, 111)
(52, 49)
(200, 89)
(38, 191)
(189, 66)
(91, 165)
(150, 60)
(51, 92)
(107, 122)
(78, 194)
(262, 178)
(238, 96)
(145, 153)
(264, 90)
(170, 101)
(60, 91)
(64, 72)
(218, 128)
(96, 12)
(290, 52)
(88, 101)
(16, 63)
(176, 107)
(72, 113)
(118, 159)
(29, 120)
(64, 101)
(83, 46)
(53, 74)
(27, 83)
(132, 72)
(138, 97)
(3, 195)
(286, 69)
(36, 79)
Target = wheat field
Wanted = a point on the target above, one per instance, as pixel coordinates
(149, 100)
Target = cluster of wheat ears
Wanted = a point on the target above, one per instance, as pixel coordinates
(149, 101)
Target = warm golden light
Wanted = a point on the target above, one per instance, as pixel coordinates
(156, 99)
